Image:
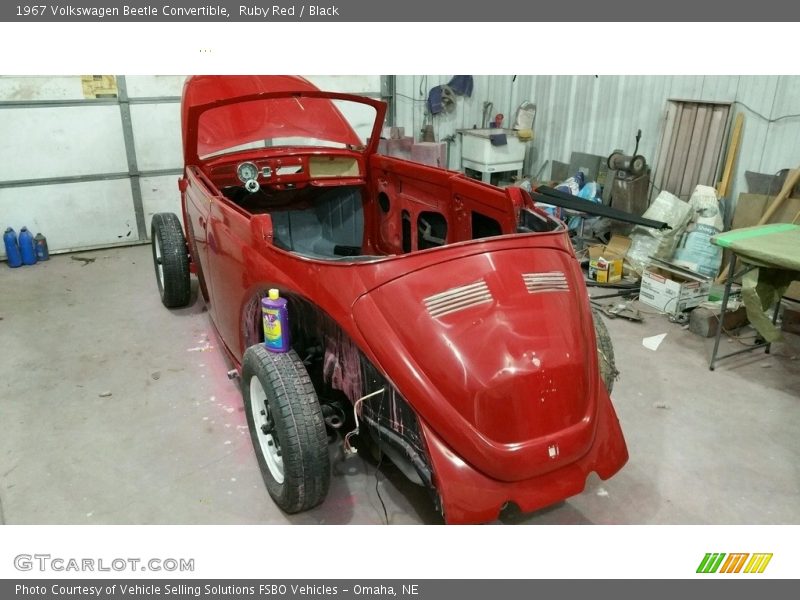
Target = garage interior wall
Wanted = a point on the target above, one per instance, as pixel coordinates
(72, 175)
(597, 114)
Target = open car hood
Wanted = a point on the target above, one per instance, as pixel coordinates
(226, 111)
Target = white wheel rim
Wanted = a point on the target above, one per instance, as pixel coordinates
(159, 263)
(268, 443)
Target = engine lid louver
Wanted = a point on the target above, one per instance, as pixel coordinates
(458, 298)
(551, 281)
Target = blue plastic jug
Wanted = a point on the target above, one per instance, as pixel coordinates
(26, 247)
(12, 248)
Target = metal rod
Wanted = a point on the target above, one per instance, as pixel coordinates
(58, 103)
(743, 350)
(629, 292)
(155, 100)
(726, 294)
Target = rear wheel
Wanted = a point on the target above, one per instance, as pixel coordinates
(605, 352)
(170, 259)
(287, 428)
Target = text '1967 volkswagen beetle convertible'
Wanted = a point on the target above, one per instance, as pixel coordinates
(441, 320)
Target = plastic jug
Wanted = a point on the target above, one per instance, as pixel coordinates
(26, 247)
(12, 248)
(40, 244)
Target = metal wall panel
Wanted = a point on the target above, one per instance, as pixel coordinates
(160, 194)
(720, 88)
(35, 88)
(156, 135)
(759, 93)
(63, 141)
(153, 86)
(783, 137)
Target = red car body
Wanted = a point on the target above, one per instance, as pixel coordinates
(461, 297)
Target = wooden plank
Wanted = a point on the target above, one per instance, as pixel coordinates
(713, 151)
(660, 170)
(733, 149)
(696, 147)
(672, 145)
(681, 152)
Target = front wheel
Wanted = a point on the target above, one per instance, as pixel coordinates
(287, 428)
(170, 259)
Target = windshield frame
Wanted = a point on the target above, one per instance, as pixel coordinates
(191, 134)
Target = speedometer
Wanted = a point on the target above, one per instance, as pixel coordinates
(247, 171)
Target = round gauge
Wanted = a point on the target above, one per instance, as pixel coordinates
(247, 171)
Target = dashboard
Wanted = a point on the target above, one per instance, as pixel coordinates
(285, 172)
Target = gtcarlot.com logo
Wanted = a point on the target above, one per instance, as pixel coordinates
(58, 564)
(737, 562)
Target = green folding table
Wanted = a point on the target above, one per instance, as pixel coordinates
(770, 257)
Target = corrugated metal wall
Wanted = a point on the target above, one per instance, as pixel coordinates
(597, 114)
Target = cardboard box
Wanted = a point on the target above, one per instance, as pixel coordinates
(672, 289)
(605, 261)
(603, 270)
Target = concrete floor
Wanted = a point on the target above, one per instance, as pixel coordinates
(170, 444)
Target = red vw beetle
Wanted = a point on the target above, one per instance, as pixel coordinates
(443, 321)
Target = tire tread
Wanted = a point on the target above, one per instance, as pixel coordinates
(304, 442)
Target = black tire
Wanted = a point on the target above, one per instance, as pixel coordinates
(605, 352)
(170, 260)
(296, 470)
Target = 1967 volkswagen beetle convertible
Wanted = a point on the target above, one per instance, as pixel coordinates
(443, 320)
